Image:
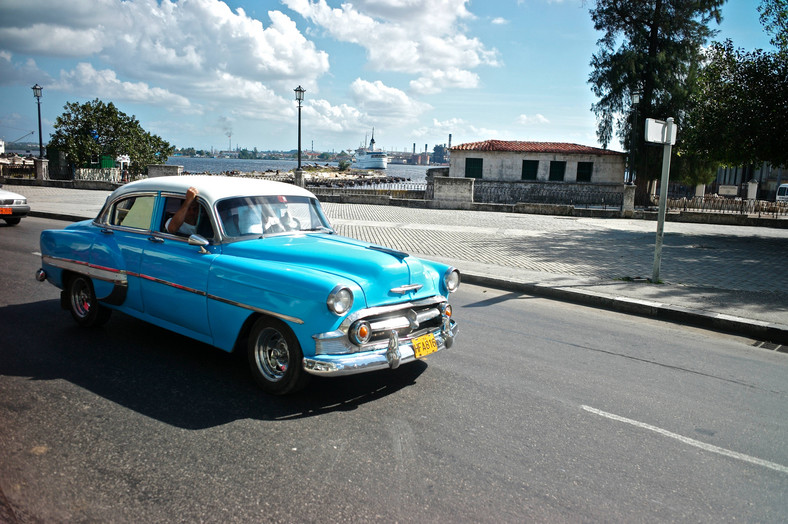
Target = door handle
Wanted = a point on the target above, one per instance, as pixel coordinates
(157, 240)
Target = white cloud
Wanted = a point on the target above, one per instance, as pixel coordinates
(499, 21)
(105, 84)
(383, 103)
(436, 81)
(536, 119)
(393, 34)
(165, 42)
(321, 115)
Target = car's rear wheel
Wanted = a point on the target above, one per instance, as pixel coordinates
(12, 221)
(275, 357)
(84, 305)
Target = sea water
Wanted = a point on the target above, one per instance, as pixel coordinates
(223, 165)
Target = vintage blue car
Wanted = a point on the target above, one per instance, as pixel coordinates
(251, 265)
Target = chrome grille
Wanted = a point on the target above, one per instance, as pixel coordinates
(404, 322)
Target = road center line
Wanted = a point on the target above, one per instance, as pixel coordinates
(691, 442)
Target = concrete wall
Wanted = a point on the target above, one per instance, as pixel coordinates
(507, 166)
(448, 189)
(155, 170)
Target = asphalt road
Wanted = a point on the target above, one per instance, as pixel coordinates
(542, 411)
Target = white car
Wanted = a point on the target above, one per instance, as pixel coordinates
(782, 193)
(13, 207)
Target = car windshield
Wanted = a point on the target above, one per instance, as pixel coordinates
(269, 215)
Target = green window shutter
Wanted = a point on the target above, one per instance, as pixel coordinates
(584, 170)
(473, 167)
(557, 170)
(530, 168)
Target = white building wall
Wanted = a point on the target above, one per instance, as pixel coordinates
(507, 166)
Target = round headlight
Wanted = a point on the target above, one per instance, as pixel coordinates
(451, 279)
(340, 300)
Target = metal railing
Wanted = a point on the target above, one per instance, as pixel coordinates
(323, 188)
(708, 204)
(18, 171)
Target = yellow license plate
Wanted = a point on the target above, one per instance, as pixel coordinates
(424, 345)
(6, 210)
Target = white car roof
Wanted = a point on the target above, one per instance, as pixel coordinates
(213, 187)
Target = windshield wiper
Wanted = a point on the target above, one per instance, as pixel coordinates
(321, 228)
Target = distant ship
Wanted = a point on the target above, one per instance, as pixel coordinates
(369, 158)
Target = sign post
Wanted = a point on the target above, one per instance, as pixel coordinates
(664, 133)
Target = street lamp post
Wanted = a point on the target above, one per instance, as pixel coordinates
(635, 99)
(37, 89)
(299, 175)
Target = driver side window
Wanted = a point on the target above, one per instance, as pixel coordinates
(198, 222)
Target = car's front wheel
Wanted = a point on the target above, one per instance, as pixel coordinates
(12, 221)
(84, 305)
(275, 357)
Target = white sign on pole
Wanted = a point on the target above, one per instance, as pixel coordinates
(663, 133)
(657, 132)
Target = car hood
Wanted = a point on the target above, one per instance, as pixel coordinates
(377, 270)
(5, 194)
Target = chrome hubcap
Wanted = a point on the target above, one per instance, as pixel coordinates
(272, 354)
(80, 299)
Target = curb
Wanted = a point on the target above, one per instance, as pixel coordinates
(762, 331)
(58, 216)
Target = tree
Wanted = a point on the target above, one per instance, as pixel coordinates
(439, 154)
(94, 128)
(774, 17)
(738, 113)
(649, 47)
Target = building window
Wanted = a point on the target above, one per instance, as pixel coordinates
(557, 170)
(584, 170)
(473, 168)
(530, 168)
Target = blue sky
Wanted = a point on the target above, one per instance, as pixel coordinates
(210, 74)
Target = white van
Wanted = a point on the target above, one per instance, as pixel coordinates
(782, 193)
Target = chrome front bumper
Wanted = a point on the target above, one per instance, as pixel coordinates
(398, 351)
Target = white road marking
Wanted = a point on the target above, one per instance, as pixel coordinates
(691, 442)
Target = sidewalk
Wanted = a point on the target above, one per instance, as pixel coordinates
(727, 278)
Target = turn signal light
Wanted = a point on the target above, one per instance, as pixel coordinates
(360, 332)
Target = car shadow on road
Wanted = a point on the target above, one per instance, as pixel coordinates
(166, 376)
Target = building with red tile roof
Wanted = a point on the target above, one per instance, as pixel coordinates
(534, 162)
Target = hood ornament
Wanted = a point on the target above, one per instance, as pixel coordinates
(401, 290)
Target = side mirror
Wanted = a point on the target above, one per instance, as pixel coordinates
(198, 240)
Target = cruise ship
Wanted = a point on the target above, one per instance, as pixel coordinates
(369, 158)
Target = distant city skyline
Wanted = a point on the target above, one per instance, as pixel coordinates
(208, 74)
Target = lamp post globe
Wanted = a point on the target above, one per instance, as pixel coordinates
(37, 91)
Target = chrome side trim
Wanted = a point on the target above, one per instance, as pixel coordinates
(120, 278)
(108, 274)
(282, 316)
(173, 284)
